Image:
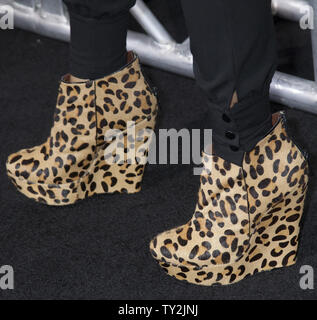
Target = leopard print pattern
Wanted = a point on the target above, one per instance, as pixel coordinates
(71, 164)
(246, 220)
(219, 230)
(124, 96)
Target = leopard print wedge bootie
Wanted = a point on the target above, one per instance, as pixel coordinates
(75, 161)
(247, 219)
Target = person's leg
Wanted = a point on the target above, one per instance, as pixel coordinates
(253, 186)
(77, 160)
(98, 36)
(233, 44)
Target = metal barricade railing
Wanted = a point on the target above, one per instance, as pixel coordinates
(157, 48)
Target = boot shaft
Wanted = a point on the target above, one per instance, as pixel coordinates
(122, 97)
(86, 111)
(275, 170)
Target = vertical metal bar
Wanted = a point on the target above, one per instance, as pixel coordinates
(173, 58)
(314, 36)
(150, 23)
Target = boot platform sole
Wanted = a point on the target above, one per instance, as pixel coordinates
(273, 245)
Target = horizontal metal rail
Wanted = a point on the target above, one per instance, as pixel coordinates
(289, 9)
(157, 48)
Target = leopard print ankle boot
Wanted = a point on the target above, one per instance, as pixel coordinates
(74, 161)
(247, 219)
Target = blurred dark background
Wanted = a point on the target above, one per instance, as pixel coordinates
(98, 248)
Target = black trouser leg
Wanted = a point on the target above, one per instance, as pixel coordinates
(233, 44)
(98, 36)
(234, 50)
